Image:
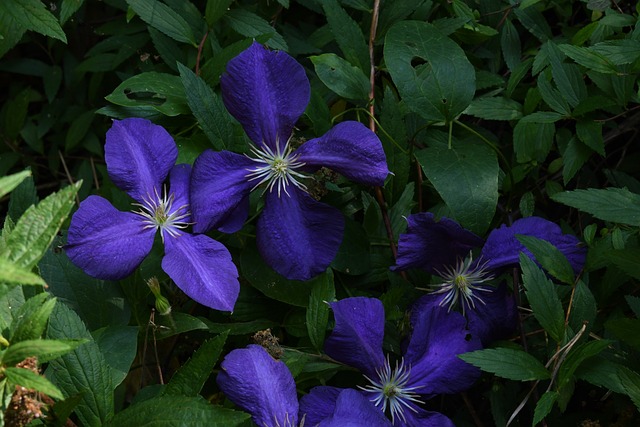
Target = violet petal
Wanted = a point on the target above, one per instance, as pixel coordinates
(352, 409)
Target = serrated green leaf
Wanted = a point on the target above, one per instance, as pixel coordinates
(549, 257)
(610, 204)
(466, 177)
(84, 371)
(208, 109)
(574, 157)
(543, 298)
(576, 357)
(12, 274)
(347, 34)
(249, 24)
(353, 255)
(341, 77)
(317, 315)
(36, 229)
(495, 108)
(9, 182)
(601, 372)
(534, 21)
(215, 10)
(544, 405)
(626, 330)
(43, 349)
(33, 15)
(118, 344)
(507, 363)
(68, 8)
(30, 321)
(588, 58)
(177, 411)
(631, 383)
(552, 97)
(191, 376)
(567, 78)
(583, 309)
(10, 31)
(29, 379)
(532, 141)
(443, 86)
(162, 18)
(161, 92)
(619, 52)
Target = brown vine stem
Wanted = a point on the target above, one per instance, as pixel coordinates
(200, 47)
(372, 124)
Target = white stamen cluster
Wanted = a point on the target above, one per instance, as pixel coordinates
(277, 169)
(158, 213)
(390, 390)
(463, 283)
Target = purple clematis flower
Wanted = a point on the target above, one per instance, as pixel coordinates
(443, 248)
(265, 388)
(110, 245)
(429, 367)
(267, 91)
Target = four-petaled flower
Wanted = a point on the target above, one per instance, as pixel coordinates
(265, 388)
(444, 248)
(267, 91)
(109, 244)
(430, 364)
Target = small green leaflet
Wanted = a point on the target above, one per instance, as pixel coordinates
(610, 204)
(507, 363)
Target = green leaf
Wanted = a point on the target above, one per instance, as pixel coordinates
(29, 379)
(574, 157)
(191, 376)
(532, 141)
(10, 31)
(347, 34)
(588, 58)
(249, 24)
(576, 357)
(631, 383)
(353, 255)
(590, 133)
(619, 52)
(36, 229)
(322, 293)
(584, 307)
(543, 298)
(510, 44)
(118, 344)
(208, 109)
(534, 22)
(568, 79)
(12, 274)
(466, 177)
(33, 15)
(507, 363)
(164, 19)
(30, 321)
(549, 257)
(68, 8)
(441, 87)
(9, 182)
(341, 77)
(177, 411)
(161, 92)
(84, 371)
(626, 330)
(544, 406)
(610, 204)
(495, 108)
(215, 10)
(44, 350)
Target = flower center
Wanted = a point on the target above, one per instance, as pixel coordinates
(390, 390)
(277, 169)
(158, 213)
(463, 283)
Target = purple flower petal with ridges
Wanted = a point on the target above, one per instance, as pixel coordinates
(422, 418)
(495, 319)
(266, 91)
(433, 245)
(260, 385)
(357, 337)
(106, 243)
(350, 149)
(203, 269)
(318, 404)
(502, 249)
(219, 191)
(179, 179)
(352, 409)
(139, 156)
(438, 337)
(297, 236)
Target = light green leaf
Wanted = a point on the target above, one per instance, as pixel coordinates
(609, 204)
(208, 109)
(12, 274)
(162, 92)
(347, 34)
(544, 405)
(118, 344)
(162, 18)
(33, 15)
(507, 363)
(9, 182)
(543, 298)
(341, 77)
(44, 350)
(440, 88)
(177, 411)
(36, 229)
(317, 316)
(466, 177)
(549, 257)
(495, 108)
(29, 379)
(30, 320)
(249, 24)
